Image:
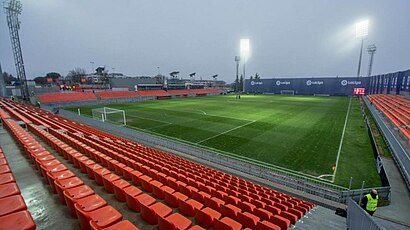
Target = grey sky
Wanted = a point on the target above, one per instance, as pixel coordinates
(287, 38)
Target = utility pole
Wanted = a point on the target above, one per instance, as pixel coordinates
(237, 60)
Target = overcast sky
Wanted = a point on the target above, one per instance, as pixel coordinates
(288, 38)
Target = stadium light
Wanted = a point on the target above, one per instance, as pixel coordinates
(245, 50)
(362, 30)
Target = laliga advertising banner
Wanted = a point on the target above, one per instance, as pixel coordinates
(308, 86)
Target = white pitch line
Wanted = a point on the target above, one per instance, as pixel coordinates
(341, 140)
(227, 131)
(206, 114)
(158, 126)
(169, 123)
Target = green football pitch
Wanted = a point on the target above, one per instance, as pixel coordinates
(305, 134)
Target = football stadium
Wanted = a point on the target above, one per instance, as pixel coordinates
(104, 150)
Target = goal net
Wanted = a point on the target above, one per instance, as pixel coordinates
(106, 114)
(287, 92)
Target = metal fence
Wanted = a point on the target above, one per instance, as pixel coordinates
(357, 218)
(290, 179)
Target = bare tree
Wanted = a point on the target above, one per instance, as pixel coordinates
(76, 74)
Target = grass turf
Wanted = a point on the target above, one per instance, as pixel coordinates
(300, 133)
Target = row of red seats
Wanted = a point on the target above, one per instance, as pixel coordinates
(153, 93)
(13, 209)
(254, 193)
(394, 107)
(66, 97)
(105, 95)
(92, 210)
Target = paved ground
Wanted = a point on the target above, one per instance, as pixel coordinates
(399, 208)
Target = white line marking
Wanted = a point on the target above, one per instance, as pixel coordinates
(158, 126)
(341, 140)
(227, 131)
(325, 175)
(150, 119)
(212, 115)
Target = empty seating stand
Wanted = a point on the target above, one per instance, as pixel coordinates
(396, 108)
(153, 93)
(167, 191)
(66, 97)
(106, 95)
(13, 209)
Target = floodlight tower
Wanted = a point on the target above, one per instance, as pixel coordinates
(371, 49)
(245, 48)
(12, 9)
(237, 60)
(362, 30)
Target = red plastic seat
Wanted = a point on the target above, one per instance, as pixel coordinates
(63, 184)
(6, 178)
(151, 213)
(52, 168)
(172, 198)
(200, 196)
(91, 169)
(187, 207)
(86, 205)
(42, 159)
(104, 217)
(214, 203)
(227, 223)
(232, 200)
(98, 175)
(52, 176)
(12, 204)
(265, 225)
(230, 211)
(289, 216)
(18, 220)
(71, 196)
(122, 225)
(131, 193)
(248, 220)
(157, 189)
(206, 217)
(174, 221)
(108, 180)
(196, 227)
(187, 190)
(127, 173)
(143, 199)
(119, 186)
(273, 210)
(9, 189)
(85, 164)
(135, 177)
(145, 183)
(280, 221)
(246, 206)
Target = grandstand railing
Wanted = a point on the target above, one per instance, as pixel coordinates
(357, 218)
(298, 181)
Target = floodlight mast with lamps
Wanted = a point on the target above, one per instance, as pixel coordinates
(362, 30)
(245, 48)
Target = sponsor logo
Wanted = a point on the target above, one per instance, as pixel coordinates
(346, 82)
(282, 82)
(256, 83)
(310, 82)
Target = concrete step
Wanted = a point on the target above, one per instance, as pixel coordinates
(321, 218)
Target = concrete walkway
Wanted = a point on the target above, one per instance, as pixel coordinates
(399, 209)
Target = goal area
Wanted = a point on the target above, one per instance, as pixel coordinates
(287, 92)
(106, 114)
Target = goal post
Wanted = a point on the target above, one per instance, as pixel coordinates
(106, 114)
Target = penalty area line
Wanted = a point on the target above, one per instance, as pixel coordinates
(341, 140)
(227, 131)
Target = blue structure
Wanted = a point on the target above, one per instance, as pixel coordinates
(308, 86)
(391, 83)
